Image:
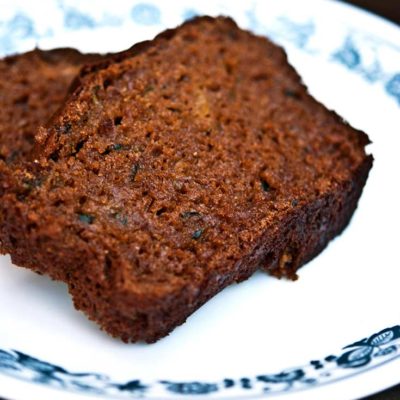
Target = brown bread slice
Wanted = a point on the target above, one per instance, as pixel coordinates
(193, 161)
(32, 86)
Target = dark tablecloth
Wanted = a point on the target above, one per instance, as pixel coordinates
(390, 9)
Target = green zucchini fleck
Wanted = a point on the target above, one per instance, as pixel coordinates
(148, 89)
(134, 171)
(265, 185)
(121, 218)
(86, 218)
(197, 234)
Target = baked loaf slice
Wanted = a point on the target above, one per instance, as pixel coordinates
(185, 166)
(32, 86)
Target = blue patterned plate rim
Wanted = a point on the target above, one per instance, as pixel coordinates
(358, 357)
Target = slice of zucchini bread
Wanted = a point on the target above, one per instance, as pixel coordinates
(32, 86)
(182, 167)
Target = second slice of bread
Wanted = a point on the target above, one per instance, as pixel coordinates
(32, 87)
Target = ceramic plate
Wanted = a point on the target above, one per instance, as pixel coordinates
(333, 334)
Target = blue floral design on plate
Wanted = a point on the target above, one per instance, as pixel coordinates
(146, 14)
(19, 27)
(393, 87)
(74, 19)
(299, 34)
(189, 14)
(348, 55)
(357, 357)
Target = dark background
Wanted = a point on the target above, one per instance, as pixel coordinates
(389, 9)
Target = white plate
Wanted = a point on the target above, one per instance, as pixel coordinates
(264, 338)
